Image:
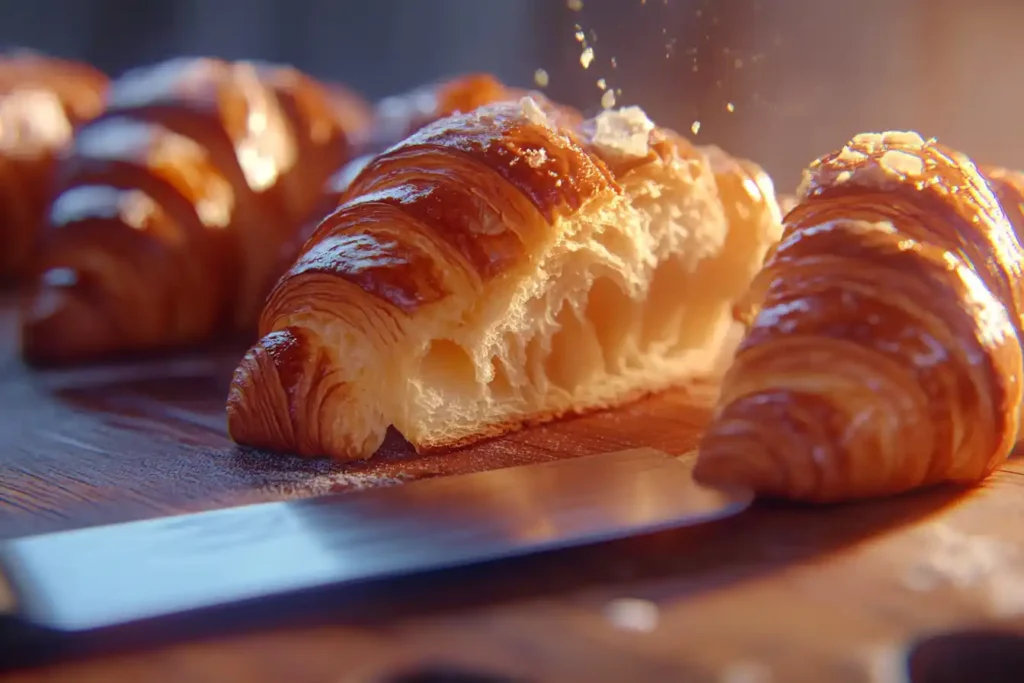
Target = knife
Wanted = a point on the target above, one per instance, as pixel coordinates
(111, 575)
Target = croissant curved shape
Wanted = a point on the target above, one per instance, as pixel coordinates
(42, 100)
(175, 204)
(884, 353)
(499, 268)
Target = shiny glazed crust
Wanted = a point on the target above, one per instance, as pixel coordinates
(498, 268)
(175, 204)
(42, 100)
(393, 119)
(884, 350)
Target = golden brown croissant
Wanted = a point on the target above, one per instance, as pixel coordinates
(175, 204)
(885, 351)
(395, 118)
(499, 268)
(42, 100)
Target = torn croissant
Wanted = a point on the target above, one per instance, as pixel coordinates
(174, 205)
(42, 100)
(499, 268)
(885, 351)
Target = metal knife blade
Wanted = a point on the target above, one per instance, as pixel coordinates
(110, 575)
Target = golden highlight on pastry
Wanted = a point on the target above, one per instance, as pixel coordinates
(884, 353)
(175, 204)
(504, 267)
(42, 100)
(395, 118)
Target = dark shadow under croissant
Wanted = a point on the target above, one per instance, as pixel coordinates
(884, 353)
(42, 101)
(175, 205)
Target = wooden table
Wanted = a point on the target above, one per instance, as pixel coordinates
(781, 594)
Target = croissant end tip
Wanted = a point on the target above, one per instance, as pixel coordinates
(253, 409)
(723, 466)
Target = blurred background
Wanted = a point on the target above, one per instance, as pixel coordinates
(780, 81)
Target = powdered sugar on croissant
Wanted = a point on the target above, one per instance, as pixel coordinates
(499, 268)
(884, 353)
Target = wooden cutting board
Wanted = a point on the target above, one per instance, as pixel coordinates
(782, 594)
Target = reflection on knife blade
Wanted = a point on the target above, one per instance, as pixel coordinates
(107, 575)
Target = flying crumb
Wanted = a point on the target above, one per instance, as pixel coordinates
(730, 107)
(540, 77)
(574, 5)
(586, 57)
(602, 84)
(695, 128)
(608, 99)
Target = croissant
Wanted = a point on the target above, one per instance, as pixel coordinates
(174, 205)
(499, 268)
(42, 100)
(884, 353)
(395, 118)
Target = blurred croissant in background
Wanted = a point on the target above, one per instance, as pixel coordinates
(174, 206)
(42, 100)
(503, 267)
(884, 349)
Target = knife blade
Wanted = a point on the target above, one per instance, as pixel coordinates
(110, 575)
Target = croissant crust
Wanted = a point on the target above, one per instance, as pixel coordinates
(884, 350)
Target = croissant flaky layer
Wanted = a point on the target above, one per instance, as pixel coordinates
(499, 267)
(174, 206)
(42, 100)
(884, 353)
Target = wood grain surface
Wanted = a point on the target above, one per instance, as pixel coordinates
(782, 594)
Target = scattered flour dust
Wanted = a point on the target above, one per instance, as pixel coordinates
(284, 477)
(632, 614)
(991, 568)
(307, 484)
